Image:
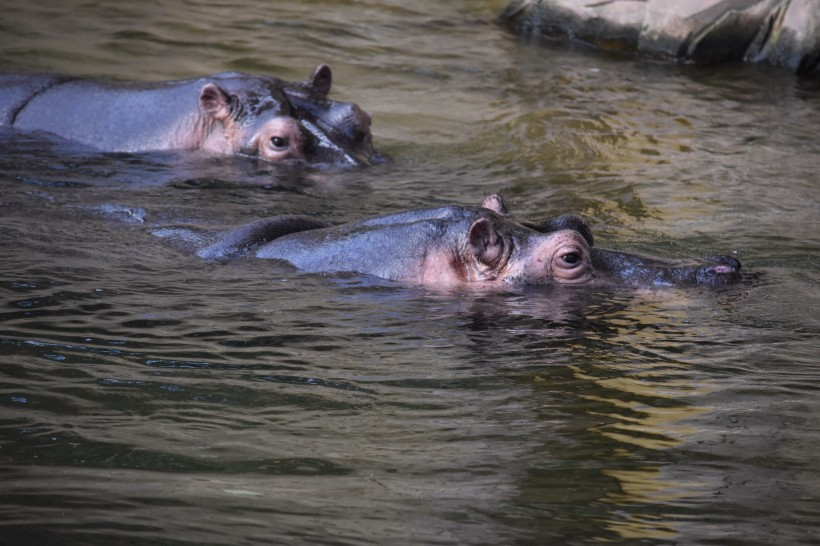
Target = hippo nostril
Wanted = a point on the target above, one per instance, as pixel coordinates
(725, 264)
(350, 121)
(720, 270)
(723, 269)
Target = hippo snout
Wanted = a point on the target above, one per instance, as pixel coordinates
(360, 124)
(346, 130)
(718, 270)
(351, 122)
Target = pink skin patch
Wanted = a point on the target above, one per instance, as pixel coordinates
(561, 257)
(280, 138)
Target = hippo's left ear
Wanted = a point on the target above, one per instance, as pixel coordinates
(214, 102)
(485, 243)
(321, 80)
(495, 203)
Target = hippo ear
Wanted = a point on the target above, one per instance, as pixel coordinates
(321, 80)
(485, 243)
(214, 102)
(495, 203)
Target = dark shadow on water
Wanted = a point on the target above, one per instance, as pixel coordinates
(44, 160)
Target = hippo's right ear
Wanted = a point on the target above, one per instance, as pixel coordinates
(321, 80)
(214, 102)
(485, 243)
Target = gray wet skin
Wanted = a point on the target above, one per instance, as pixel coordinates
(455, 245)
(225, 114)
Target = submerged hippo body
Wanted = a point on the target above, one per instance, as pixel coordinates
(226, 114)
(457, 245)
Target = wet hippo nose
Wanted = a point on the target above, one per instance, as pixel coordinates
(339, 131)
(719, 270)
(351, 121)
(725, 264)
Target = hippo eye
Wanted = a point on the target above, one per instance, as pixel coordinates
(279, 142)
(571, 259)
(571, 265)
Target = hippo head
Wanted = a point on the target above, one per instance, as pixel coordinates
(579, 263)
(253, 123)
(498, 249)
(275, 120)
(341, 130)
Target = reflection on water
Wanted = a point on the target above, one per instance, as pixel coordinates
(643, 401)
(150, 397)
(647, 411)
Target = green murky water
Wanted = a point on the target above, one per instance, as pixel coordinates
(148, 397)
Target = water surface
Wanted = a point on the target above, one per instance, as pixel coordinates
(148, 397)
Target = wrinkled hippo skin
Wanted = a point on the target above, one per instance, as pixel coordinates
(771, 31)
(456, 245)
(225, 114)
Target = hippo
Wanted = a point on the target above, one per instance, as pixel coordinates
(227, 114)
(461, 245)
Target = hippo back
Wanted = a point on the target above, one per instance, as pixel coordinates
(389, 251)
(117, 117)
(16, 90)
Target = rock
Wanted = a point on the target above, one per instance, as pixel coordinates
(779, 32)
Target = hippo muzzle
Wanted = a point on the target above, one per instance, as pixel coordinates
(325, 150)
(718, 270)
